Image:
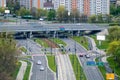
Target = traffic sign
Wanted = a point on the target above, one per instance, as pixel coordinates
(99, 63)
(91, 63)
(110, 76)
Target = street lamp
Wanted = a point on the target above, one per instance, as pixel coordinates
(68, 16)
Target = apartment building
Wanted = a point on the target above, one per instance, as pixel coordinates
(99, 7)
(58, 3)
(2, 3)
(26, 3)
(38, 3)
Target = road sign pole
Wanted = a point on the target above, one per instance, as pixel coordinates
(73, 59)
(99, 43)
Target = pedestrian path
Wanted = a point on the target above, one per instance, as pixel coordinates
(93, 46)
(22, 70)
(104, 59)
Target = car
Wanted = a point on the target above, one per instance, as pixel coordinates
(39, 62)
(87, 56)
(81, 55)
(41, 19)
(42, 68)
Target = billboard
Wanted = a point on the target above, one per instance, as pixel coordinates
(7, 11)
(100, 37)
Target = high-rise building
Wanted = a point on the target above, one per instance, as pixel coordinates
(38, 3)
(74, 4)
(86, 7)
(26, 3)
(2, 3)
(99, 7)
(48, 5)
(80, 6)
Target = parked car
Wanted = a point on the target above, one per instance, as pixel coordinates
(39, 62)
(42, 68)
(87, 56)
(81, 55)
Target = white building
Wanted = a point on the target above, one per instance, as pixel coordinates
(26, 3)
(80, 6)
(38, 3)
(99, 7)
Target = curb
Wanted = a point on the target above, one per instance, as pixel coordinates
(19, 70)
(31, 69)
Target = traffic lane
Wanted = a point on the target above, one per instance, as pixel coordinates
(30, 45)
(41, 75)
(91, 72)
(71, 44)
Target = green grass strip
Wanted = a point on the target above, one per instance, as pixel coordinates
(82, 40)
(114, 65)
(77, 68)
(104, 44)
(58, 41)
(23, 49)
(51, 62)
(102, 69)
(42, 43)
(27, 71)
(14, 74)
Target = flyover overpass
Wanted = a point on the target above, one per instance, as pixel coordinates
(31, 27)
(51, 29)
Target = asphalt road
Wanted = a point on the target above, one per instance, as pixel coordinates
(91, 72)
(41, 75)
(36, 26)
(35, 49)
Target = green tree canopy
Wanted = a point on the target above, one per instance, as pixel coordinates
(114, 50)
(2, 10)
(60, 13)
(8, 57)
(51, 14)
(92, 19)
(114, 33)
(23, 11)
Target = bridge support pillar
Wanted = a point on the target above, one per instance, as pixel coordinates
(54, 34)
(78, 33)
(30, 34)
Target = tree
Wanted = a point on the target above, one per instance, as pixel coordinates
(23, 12)
(92, 19)
(60, 13)
(51, 14)
(114, 34)
(99, 18)
(8, 56)
(13, 5)
(41, 13)
(75, 15)
(5, 76)
(34, 12)
(2, 10)
(114, 50)
(113, 9)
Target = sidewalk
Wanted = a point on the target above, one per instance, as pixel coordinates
(103, 59)
(22, 70)
(93, 46)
